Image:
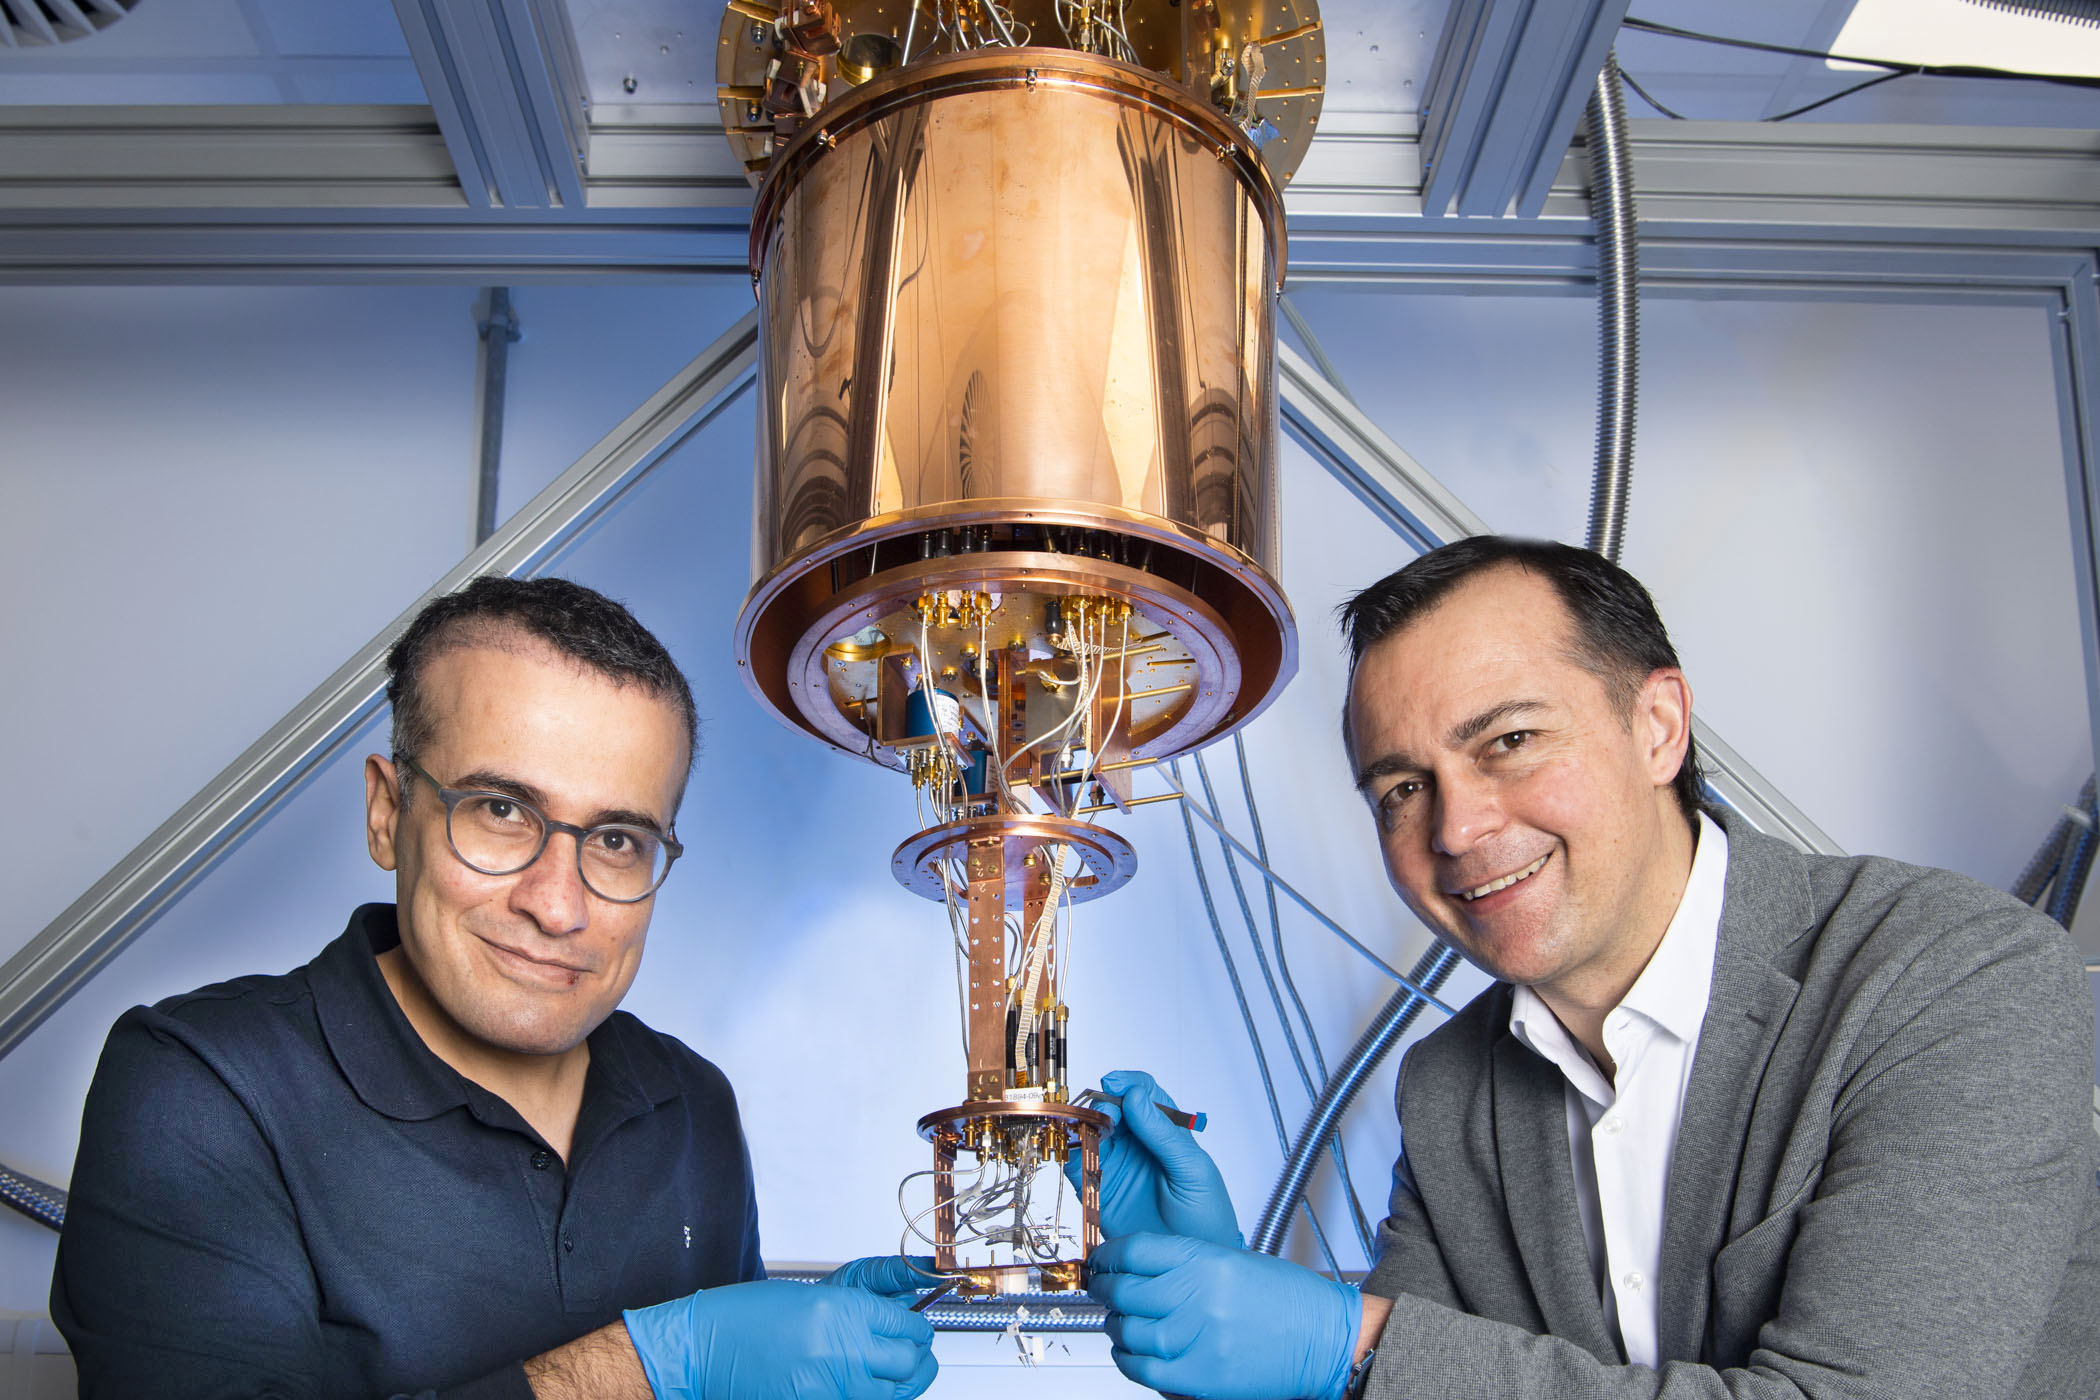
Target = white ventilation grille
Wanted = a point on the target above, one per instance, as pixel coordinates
(2076, 11)
(27, 22)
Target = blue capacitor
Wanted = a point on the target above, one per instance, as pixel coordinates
(918, 715)
(976, 775)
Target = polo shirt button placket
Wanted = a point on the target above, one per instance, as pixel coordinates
(542, 1159)
(568, 1242)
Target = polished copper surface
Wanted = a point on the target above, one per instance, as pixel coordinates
(979, 284)
(1025, 290)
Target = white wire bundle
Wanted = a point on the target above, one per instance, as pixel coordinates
(962, 32)
(981, 1204)
(1030, 985)
(1097, 32)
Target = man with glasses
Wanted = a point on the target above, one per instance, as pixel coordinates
(436, 1160)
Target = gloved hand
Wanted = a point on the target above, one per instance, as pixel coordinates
(1198, 1319)
(775, 1340)
(1154, 1178)
(886, 1275)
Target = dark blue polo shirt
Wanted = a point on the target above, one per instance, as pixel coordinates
(282, 1192)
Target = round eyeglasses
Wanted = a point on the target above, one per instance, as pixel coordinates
(498, 833)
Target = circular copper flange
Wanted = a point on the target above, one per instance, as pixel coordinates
(1110, 860)
(954, 1121)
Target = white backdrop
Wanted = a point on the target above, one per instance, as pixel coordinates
(1852, 515)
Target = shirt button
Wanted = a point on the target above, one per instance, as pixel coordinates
(568, 1244)
(542, 1159)
(1614, 1125)
(1633, 1281)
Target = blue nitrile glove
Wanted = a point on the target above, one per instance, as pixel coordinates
(774, 1340)
(1154, 1177)
(1198, 1319)
(886, 1275)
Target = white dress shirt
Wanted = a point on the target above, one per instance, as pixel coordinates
(1622, 1133)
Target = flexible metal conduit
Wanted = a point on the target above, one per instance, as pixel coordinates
(39, 1200)
(1618, 309)
(1075, 1311)
(2062, 863)
(2070, 882)
(1384, 1032)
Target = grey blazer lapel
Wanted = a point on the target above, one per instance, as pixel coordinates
(1538, 1183)
(1766, 906)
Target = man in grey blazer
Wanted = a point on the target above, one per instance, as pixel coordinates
(1735, 1121)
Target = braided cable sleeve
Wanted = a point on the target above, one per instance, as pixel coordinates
(39, 1200)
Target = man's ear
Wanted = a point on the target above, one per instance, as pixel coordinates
(382, 809)
(1662, 722)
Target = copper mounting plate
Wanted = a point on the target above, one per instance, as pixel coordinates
(791, 620)
(954, 1121)
(1110, 860)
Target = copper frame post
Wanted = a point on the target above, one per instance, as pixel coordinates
(944, 1203)
(1089, 1193)
(986, 867)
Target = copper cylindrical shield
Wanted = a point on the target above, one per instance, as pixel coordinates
(1024, 284)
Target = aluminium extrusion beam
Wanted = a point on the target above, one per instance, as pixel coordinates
(1972, 186)
(368, 162)
(124, 902)
(1504, 95)
(1407, 498)
(312, 193)
(2075, 350)
(506, 86)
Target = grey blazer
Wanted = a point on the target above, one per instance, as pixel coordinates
(1883, 1184)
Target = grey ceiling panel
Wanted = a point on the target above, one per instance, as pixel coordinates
(507, 88)
(1505, 95)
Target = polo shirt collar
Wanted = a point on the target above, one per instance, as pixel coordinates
(396, 1074)
(379, 1052)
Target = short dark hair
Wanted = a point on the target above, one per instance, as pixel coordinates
(577, 622)
(1619, 637)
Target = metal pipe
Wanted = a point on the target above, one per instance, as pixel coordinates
(1618, 309)
(1133, 802)
(2049, 857)
(1386, 1030)
(39, 1200)
(995, 1312)
(2071, 876)
(123, 903)
(499, 330)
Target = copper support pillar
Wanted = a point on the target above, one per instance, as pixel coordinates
(944, 1203)
(986, 868)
